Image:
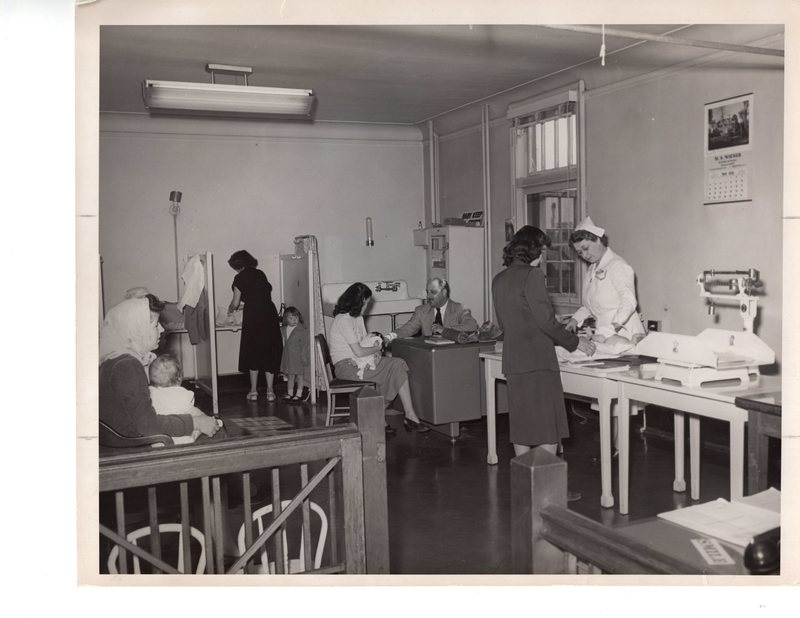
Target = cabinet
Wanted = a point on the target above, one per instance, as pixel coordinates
(456, 253)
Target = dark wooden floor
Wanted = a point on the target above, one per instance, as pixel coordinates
(449, 510)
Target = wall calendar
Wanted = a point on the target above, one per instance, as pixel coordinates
(727, 146)
(727, 184)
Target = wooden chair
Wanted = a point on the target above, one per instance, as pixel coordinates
(110, 438)
(134, 536)
(290, 565)
(333, 385)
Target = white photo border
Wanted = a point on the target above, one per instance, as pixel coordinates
(745, 102)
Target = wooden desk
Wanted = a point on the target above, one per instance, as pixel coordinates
(576, 380)
(445, 381)
(575, 544)
(673, 541)
(763, 423)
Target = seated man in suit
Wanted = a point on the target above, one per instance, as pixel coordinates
(437, 314)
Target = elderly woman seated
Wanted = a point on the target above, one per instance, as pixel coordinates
(128, 335)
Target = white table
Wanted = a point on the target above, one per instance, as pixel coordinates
(630, 390)
(582, 381)
(710, 401)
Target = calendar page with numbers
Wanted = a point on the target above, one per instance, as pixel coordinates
(727, 178)
(727, 185)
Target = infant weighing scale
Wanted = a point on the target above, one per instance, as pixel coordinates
(715, 355)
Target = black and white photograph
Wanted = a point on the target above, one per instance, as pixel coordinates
(333, 329)
(304, 340)
(728, 125)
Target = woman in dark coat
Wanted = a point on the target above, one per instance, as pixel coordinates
(261, 344)
(537, 414)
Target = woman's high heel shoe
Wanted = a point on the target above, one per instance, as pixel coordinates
(408, 425)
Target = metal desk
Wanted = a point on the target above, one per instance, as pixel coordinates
(445, 381)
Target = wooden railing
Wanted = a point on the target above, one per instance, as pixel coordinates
(215, 487)
(549, 538)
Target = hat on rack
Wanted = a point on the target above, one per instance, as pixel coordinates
(588, 225)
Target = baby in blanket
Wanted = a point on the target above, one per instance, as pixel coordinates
(608, 345)
(372, 360)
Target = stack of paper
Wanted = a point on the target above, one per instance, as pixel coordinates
(736, 522)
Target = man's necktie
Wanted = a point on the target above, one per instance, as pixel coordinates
(438, 318)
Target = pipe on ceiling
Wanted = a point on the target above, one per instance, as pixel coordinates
(671, 40)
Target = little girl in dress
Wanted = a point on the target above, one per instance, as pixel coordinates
(294, 362)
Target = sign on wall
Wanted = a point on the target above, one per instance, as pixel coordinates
(727, 145)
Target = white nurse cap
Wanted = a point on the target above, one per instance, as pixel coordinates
(588, 225)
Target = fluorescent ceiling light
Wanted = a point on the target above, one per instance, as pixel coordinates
(227, 99)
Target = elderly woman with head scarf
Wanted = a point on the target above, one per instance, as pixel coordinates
(129, 334)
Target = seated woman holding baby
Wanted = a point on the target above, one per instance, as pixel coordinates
(128, 336)
(358, 356)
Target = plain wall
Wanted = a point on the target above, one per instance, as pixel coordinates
(461, 179)
(644, 179)
(460, 173)
(645, 186)
(256, 186)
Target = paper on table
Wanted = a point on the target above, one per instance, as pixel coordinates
(735, 522)
(769, 499)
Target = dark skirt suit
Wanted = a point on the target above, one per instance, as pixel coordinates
(530, 333)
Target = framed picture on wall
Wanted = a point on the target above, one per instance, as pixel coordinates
(728, 125)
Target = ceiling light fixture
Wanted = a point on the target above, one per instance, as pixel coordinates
(227, 99)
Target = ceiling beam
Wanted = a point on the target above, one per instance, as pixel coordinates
(670, 40)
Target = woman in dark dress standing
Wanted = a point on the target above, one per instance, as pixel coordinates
(537, 415)
(261, 344)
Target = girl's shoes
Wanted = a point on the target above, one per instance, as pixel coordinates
(252, 396)
(419, 427)
(270, 396)
(305, 395)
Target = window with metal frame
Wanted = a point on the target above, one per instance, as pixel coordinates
(546, 150)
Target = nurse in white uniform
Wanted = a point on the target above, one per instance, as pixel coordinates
(608, 287)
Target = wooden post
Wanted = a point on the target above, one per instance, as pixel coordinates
(538, 479)
(353, 503)
(366, 411)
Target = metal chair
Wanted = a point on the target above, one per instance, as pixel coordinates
(333, 385)
(134, 536)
